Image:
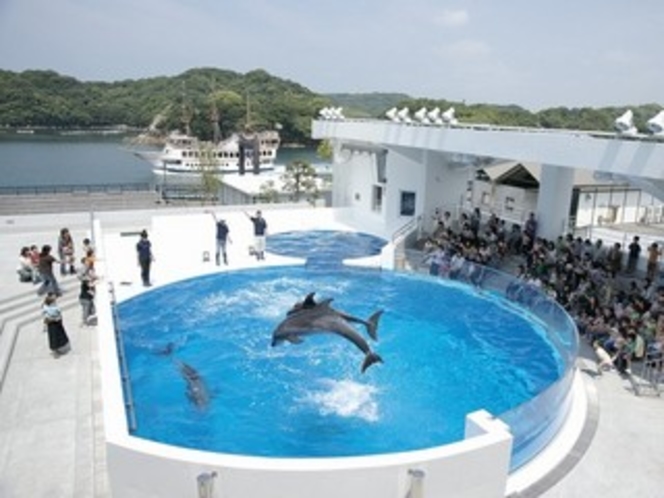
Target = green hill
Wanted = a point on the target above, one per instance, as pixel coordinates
(255, 100)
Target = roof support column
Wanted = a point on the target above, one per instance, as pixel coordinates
(553, 202)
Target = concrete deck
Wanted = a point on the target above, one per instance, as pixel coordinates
(51, 431)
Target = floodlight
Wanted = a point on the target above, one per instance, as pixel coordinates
(392, 114)
(448, 116)
(338, 113)
(434, 116)
(421, 116)
(624, 124)
(403, 115)
(656, 124)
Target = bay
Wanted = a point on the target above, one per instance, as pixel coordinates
(53, 159)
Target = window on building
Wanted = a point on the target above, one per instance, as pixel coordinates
(407, 204)
(377, 198)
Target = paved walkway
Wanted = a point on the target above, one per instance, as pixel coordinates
(51, 436)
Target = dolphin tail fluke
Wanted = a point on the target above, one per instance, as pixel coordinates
(370, 359)
(372, 327)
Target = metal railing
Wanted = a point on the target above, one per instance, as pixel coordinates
(109, 188)
(400, 237)
(122, 360)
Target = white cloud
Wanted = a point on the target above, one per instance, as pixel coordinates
(452, 18)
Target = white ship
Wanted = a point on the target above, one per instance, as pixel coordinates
(241, 152)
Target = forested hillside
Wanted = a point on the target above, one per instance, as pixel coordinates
(255, 99)
(47, 99)
(366, 104)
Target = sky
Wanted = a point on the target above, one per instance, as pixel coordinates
(533, 53)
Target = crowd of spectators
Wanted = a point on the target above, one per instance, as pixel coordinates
(617, 309)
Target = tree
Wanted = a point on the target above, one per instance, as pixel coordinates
(300, 178)
(210, 175)
(268, 192)
(325, 150)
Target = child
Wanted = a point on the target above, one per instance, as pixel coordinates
(604, 360)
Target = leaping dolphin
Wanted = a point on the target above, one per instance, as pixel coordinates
(371, 324)
(320, 318)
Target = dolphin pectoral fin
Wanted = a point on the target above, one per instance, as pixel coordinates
(372, 325)
(370, 359)
(294, 339)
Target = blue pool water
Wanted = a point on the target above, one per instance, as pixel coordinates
(448, 350)
(325, 248)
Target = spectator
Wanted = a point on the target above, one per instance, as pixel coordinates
(652, 267)
(26, 272)
(530, 228)
(614, 259)
(58, 341)
(633, 253)
(49, 283)
(66, 252)
(86, 298)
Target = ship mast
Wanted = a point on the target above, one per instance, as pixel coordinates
(214, 119)
(247, 119)
(186, 113)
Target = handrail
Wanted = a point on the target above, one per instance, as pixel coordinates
(399, 240)
(108, 188)
(406, 229)
(124, 370)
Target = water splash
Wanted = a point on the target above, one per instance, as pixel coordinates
(345, 398)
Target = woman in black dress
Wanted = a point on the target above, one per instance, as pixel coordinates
(58, 341)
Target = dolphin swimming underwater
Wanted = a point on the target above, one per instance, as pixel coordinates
(318, 318)
(197, 391)
(371, 323)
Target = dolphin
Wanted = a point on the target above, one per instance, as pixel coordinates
(197, 391)
(371, 323)
(319, 318)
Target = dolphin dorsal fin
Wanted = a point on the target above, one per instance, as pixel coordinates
(309, 301)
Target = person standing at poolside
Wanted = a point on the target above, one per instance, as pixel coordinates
(222, 238)
(260, 229)
(145, 257)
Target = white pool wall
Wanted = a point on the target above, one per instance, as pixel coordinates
(478, 466)
(474, 468)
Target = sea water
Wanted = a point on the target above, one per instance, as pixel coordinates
(54, 159)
